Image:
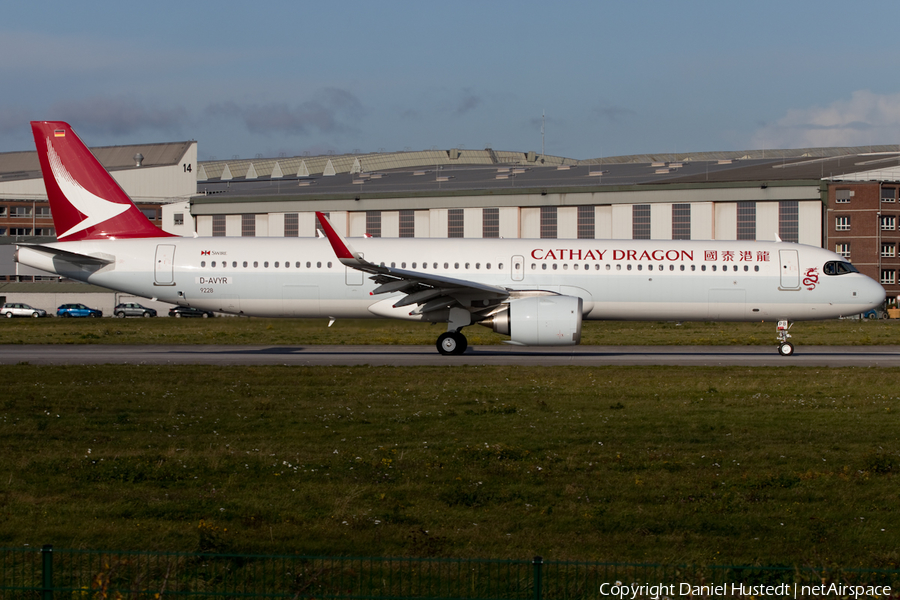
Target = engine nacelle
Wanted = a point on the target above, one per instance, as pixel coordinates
(541, 321)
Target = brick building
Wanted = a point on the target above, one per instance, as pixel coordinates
(861, 225)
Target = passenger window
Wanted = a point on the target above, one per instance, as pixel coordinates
(478, 266)
(212, 264)
(455, 265)
(318, 265)
(746, 268)
(756, 267)
(255, 264)
(702, 267)
(276, 264)
(296, 264)
(266, 264)
(640, 267)
(467, 266)
(202, 263)
(234, 264)
(565, 267)
(329, 264)
(555, 266)
(500, 266)
(544, 266)
(619, 267)
(629, 266)
(487, 266)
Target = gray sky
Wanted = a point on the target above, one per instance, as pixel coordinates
(613, 77)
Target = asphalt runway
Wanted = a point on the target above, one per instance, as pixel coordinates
(693, 356)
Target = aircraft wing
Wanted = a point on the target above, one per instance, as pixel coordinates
(428, 291)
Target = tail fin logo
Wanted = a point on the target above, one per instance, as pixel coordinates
(95, 209)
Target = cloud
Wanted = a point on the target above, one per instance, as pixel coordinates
(866, 118)
(467, 103)
(121, 115)
(614, 114)
(331, 110)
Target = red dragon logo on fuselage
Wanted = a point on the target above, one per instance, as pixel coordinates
(812, 278)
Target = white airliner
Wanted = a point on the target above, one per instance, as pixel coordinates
(535, 291)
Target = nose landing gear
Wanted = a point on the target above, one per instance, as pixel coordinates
(785, 348)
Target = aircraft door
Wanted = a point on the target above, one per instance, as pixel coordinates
(790, 269)
(164, 268)
(518, 268)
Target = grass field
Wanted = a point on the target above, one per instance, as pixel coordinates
(705, 466)
(286, 332)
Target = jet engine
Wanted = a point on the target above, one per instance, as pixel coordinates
(540, 321)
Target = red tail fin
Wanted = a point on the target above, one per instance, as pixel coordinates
(86, 202)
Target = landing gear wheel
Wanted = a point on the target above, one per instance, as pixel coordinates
(786, 349)
(452, 342)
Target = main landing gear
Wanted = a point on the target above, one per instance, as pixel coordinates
(452, 342)
(785, 348)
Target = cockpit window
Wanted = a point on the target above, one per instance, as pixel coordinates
(838, 268)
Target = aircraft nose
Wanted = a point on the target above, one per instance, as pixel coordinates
(871, 293)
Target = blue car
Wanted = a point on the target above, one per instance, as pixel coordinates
(77, 310)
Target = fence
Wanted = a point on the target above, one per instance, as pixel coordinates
(52, 574)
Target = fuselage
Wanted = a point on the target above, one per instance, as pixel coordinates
(616, 279)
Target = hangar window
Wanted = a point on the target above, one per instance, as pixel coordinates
(843, 196)
(640, 222)
(681, 221)
(3, 211)
(218, 225)
(888, 194)
(888, 276)
(789, 221)
(373, 223)
(20, 212)
(746, 220)
(248, 225)
(456, 223)
(888, 222)
(407, 223)
(490, 222)
(585, 222)
(889, 250)
(548, 222)
(292, 225)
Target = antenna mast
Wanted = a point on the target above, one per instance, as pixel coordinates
(542, 133)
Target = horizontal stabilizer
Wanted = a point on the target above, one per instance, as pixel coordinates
(71, 257)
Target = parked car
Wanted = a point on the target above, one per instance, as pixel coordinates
(189, 311)
(133, 309)
(77, 310)
(18, 309)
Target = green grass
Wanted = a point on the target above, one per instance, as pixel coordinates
(646, 464)
(291, 332)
